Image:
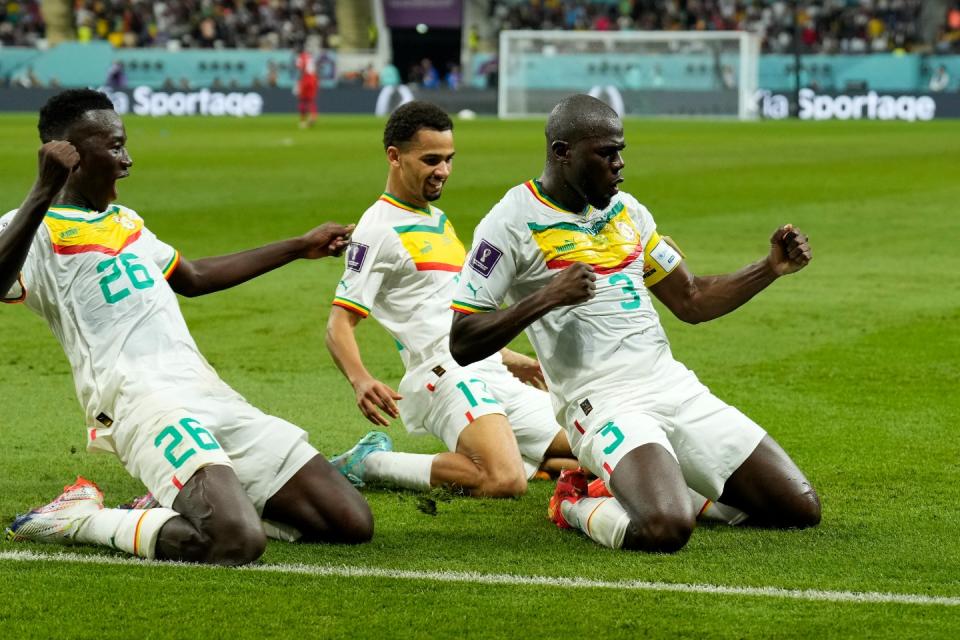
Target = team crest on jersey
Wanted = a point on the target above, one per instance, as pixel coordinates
(124, 219)
(609, 244)
(626, 230)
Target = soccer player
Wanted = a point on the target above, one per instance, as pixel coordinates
(577, 260)
(307, 84)
(106, 286)
(401, 267)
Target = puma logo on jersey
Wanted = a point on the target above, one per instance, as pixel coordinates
(473, 290)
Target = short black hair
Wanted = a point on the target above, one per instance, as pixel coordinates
(577, 117)
(409, 118)
(65, 108)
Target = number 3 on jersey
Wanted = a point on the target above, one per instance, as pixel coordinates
(137, 275)
(629, 289)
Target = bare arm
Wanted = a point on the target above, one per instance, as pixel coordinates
(524, 368)
(695, 299)
(207, 275)
(56, 160)
(371, 393)
(476, 336)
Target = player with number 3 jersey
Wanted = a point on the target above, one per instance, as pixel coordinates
(576, 260)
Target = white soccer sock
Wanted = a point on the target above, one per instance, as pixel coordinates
(132, 530)
(602, 519)
(408, 470)
(280, 531)
(710, 510)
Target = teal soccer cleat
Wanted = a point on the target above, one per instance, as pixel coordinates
(351, 462)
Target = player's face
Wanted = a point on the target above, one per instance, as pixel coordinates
(596, 164)
(424, 164)
(101, 141)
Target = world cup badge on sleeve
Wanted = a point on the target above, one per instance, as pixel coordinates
(356, 254)
(485, 257)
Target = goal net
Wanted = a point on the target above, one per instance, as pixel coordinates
(638, 73)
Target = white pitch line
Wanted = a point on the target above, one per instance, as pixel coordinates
(343, 571)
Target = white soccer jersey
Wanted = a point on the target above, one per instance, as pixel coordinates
(99, 280)
(525, 241)
(401, 267)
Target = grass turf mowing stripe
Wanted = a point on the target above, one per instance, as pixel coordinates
(866, 597)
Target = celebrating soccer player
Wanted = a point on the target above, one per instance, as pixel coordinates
(577, 259)
(402, 266)
(106, 286)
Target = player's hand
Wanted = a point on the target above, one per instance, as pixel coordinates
(56, 160)
(789, 250)
(372, 397)
(524, 368)
(575, 284)
(329, 239)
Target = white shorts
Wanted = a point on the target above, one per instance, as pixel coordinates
(708, 438)
(169, 436)
(443, 398)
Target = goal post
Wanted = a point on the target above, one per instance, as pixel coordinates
(639, 73)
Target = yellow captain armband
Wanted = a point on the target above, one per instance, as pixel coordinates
(661, 256)
(670, 241)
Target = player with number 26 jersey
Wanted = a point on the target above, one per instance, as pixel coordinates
(98, 280)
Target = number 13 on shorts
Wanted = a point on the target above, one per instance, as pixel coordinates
(478, 397)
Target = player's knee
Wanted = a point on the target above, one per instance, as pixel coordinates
(236, 542)
(803, 510)
(471, 480)
(503, 485)
(181, 541)
(355, 525)
(660, 533)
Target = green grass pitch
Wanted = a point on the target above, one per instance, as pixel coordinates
(853, 365)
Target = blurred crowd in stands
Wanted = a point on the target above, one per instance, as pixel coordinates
(829, 26)
(253, 24)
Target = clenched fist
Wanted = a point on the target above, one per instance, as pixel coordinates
(575, 284)
(56, 160)
(789, 250)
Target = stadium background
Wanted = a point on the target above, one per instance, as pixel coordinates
(852, 364)
(448, 49)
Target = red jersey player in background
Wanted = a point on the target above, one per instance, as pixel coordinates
(307, 87)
